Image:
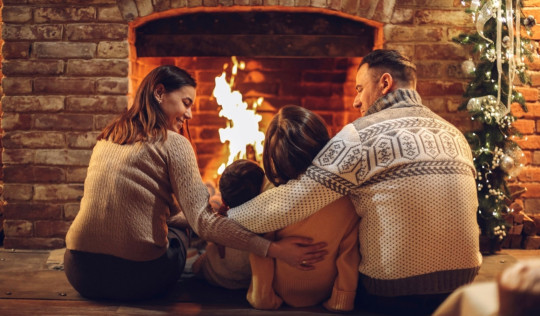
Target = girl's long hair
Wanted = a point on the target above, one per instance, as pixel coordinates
(145, 120)
(293, 138)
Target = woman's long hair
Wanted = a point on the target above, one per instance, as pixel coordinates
(293, 138)
(145, 120)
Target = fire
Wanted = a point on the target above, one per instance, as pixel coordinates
(243, 123)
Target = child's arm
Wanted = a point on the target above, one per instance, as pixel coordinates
(344, 291)
(261, 295)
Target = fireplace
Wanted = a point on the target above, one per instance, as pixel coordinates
(68, 69)
(303, 58)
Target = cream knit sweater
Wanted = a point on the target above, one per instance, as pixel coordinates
(410, 175)
(128, 199)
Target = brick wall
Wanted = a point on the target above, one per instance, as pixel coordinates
(67, 67)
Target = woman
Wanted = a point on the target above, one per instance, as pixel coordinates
(119, 245)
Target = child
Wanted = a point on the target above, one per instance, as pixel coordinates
(240, 182)
(293, 139)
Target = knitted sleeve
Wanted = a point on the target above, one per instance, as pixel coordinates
(298, 199)
(344, 290)
(284, 205)
(192, 196)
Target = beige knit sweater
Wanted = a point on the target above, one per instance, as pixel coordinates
(410, 175)
(128, 199)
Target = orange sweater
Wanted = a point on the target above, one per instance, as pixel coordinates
(333, 281)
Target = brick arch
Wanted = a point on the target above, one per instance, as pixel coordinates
(374, 13)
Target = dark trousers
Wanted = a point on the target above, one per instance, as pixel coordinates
(99, 276)
(413, 305)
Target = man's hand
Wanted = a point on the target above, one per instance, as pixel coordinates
(299, 252)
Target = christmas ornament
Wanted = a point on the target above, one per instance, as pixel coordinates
(513, 151)
(491, 55)
(506, 163)
(468, 67)
(529, 21)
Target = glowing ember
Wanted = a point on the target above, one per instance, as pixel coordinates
(243, 124)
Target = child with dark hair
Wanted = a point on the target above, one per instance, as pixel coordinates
(240, 182)
(293, 139)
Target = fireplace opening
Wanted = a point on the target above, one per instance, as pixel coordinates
(303, 58)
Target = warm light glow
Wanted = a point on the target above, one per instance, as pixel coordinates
(243, 122)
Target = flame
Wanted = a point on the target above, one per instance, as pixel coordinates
(243, 123)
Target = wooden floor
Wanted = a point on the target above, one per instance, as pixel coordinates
(32, 283)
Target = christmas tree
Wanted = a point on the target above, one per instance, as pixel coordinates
(499, 49)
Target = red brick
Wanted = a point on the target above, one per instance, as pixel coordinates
(322, 104)
(446, 17)
(530, 142)
(397, 33)
(16, 50)
(33, 174)
(533, 190)
(98, 67)
(533, 111)
(77, 122)
(103, 31)
(110, 14)
(64, 85)
(107, 49)
(525, 126)
(16, 85)
(440, 52)
(18, 139)
(64, 50)
(529, 94)
(16, 121)
(82, 140)
(101, 121)
(63, 157)
(530, 174)
(535, 78)
(112, 86)
(96, 104)
(33, 211)
(438, 88)
(31, 32)
(18, 156)
(33, 103)
(51, 228)
(58, 192)
(64, 14)
(32, 67)
(18, 228)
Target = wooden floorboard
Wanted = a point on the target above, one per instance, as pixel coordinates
(31, 285)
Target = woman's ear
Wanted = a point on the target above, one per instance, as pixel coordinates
(386, 83)
(158, 92)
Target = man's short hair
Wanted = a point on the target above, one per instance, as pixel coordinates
(240, 182)
(400, 67)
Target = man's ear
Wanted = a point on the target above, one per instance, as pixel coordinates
(158, 92)
(386, 83)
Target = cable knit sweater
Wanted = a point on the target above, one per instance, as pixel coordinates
(128, 199)
(410, 175)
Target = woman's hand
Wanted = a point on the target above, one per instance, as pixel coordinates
(299, 252)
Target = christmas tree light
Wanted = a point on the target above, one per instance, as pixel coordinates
(499, 53)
